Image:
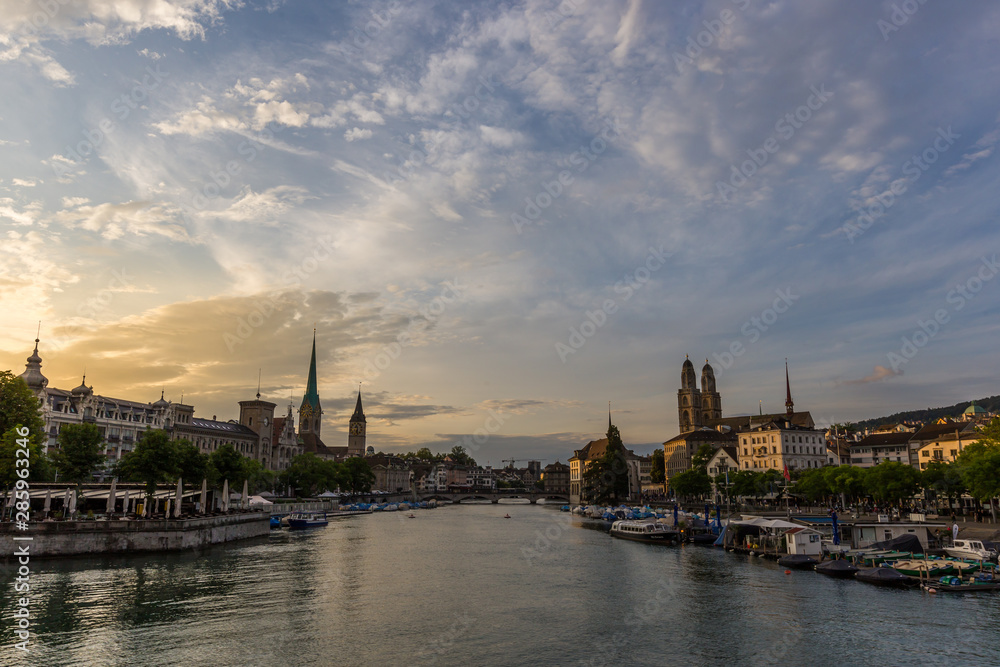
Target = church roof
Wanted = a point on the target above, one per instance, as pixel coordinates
(311, 397)
(974, 410)
(359, 413)
(32, 374)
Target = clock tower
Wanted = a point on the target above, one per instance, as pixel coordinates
(356, 434)
(258, 416)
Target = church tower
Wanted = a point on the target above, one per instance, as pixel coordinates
(310, 412)
(356, 435)
(711, 401)
(689, 410)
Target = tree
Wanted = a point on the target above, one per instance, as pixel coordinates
(979, 464)
(847, 480)
(943, 479)
(359, 474)
(461, 456)
(425, 454)
(892, 481)
(702, 457)
(606, 479)
(691, 483)
(194, 466)
(19, 408)
(227, 463)
(80, 453)
(155, 459)
(813, 484)
(658, 471)
(310, 474)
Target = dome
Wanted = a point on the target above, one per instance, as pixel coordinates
(161, 403)
(974, 410)
(707, 368)
(83, 389)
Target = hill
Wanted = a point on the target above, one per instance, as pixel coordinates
(991, 404)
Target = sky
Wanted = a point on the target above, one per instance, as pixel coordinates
(501, 216)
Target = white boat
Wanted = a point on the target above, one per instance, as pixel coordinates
(307, 519)
(973, 549)
(645, 531)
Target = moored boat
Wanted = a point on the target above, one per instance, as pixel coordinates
(645, 531)
(973, 549)
(798, 561)
(307, 520)
(837, 568)
(885, 576)
(921, 568)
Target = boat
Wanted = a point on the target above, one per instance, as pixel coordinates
(798, 561)
(506, 516)
(275, 522)
(837, 568)
(645, 531)
(922, 568)
(307, 520)
(955, 584)
(411, 516)
(885, 576)
(973, 549)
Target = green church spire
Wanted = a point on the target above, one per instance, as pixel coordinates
(311, 397)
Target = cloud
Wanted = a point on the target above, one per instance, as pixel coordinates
(357, 134)
(878, 374)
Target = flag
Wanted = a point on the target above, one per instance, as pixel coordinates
(787, 476)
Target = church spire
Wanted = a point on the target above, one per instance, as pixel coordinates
(789, 404)
(32, 374)
(311, 397)
(359, 413)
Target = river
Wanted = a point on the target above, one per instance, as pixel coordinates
(461, 585)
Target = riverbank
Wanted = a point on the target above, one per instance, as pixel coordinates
(77, 538)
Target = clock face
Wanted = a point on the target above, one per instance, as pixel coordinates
(267, 422)
(355, 429)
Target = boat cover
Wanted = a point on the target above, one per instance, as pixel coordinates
(909, 542)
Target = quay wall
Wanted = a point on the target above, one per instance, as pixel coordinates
(77, 538)
(280, 509)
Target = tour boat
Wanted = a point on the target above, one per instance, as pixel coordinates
(970, 549)
(645, 531)
(307, 520)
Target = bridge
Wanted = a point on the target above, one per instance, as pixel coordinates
(495, 496)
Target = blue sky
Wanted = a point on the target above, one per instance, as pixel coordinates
(526, 207)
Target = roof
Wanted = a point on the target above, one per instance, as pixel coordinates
(595, 449)
(935, 431)
(883, 439)
(702, 435)
(359, 414)
(213, 425)
(731, 452)
(802, 419)
(311, 397)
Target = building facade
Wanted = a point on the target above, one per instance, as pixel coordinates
(780, 444)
